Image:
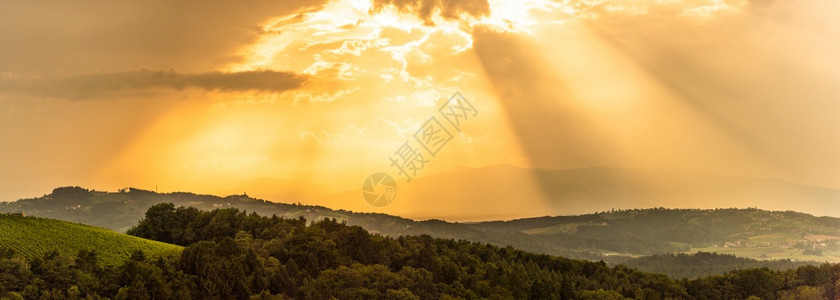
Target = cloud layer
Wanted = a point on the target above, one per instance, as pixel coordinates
(98, 84)
(47, 37)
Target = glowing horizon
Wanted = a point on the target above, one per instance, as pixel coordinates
(323, 92)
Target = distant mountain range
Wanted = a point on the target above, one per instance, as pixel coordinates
(612, 236)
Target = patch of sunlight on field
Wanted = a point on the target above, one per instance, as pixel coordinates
(775, 238)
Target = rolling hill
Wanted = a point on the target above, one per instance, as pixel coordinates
(233, 254)
(751, 233)
(613, 236)
(33, 237)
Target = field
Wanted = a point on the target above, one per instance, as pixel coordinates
(32, 237)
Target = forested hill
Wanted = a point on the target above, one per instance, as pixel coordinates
(611, 236)
(231, 254)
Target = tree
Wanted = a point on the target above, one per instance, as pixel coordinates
(158, 224)
(600, 295)
(14, 274)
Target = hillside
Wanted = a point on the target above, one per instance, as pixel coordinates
(610, 236)
(120, 210)
(702, 264)
(32, 237)
(752, 233)
(232, 254)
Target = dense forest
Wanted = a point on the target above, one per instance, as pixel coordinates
(231, 254)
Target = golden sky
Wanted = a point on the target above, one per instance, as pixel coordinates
(211, 96)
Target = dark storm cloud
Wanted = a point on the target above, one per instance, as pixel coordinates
(41, 37)
(426, 9)
(98, 84)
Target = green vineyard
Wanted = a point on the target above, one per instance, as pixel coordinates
(33, 237)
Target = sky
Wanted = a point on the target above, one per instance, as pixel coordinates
(213, 96)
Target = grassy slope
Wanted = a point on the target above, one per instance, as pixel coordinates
(32, 237)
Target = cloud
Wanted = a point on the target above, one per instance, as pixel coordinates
(95, 85)
(43, 37)
(427, 9)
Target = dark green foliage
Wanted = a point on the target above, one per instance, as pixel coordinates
(702, 264)
(69, 195)
(233, 255)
